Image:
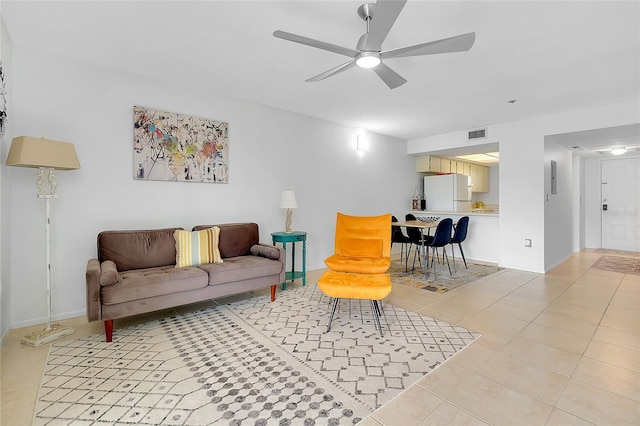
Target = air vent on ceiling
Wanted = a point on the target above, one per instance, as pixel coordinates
(478, 134)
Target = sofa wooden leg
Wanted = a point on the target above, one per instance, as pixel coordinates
(108, 330)
(273, 292)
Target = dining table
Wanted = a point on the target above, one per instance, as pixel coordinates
(422, 226)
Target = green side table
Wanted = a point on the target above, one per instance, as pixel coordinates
(293, 237)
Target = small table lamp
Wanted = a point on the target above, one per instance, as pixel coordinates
(288, 201)
(45, 155)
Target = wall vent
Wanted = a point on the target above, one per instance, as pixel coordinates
(478, 134)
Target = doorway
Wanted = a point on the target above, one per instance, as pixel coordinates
(620, 204)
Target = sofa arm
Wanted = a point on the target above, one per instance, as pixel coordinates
(268, 248)
(263, 250)
(92, 277)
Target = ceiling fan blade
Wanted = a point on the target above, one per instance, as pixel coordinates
(333, 71)
(384, 16)
(458, 43)
(389, 76)
(316, 43)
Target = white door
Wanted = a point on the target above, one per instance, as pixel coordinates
(621, 204)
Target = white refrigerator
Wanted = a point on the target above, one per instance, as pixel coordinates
(448, 193)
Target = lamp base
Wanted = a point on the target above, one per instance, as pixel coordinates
(42, 337)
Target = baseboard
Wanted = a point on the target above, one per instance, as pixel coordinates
(43, 320)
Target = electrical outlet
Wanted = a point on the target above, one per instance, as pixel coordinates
(527, 242)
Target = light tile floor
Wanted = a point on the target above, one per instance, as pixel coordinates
(561, 348)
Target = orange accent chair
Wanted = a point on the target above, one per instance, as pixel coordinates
(362, 244)
(358, 269)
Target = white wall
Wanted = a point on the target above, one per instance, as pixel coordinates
(5, 290)
(270, 150)
(558, 211)
(578, 204)
(522, 184)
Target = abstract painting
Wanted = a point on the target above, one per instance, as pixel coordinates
(177, 147)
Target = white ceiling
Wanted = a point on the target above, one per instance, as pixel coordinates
(550, 56)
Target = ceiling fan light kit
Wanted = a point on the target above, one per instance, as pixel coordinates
(380, 17)
(368, 59)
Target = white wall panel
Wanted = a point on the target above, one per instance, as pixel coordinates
(270, 151)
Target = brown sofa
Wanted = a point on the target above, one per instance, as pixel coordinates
(135, 271)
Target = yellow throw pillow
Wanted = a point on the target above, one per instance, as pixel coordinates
(361, 247)
(198, 247)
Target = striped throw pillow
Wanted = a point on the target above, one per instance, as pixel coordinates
(198, 247)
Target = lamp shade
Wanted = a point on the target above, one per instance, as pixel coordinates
(26, 151)
(288, 200)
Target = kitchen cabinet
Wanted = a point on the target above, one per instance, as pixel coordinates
(428, 163)
(479, 174)
(485, 178)
(474, 178)
(479, 178)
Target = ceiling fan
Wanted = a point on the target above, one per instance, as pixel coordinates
(368, 53)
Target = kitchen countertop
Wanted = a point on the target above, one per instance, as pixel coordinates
(482, 240)
(474, 212)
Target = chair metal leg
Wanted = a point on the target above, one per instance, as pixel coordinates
(462, 253)
(433, 262)
(333, 312)
(376, 315)
(415, 252)
(453, 255)
(444, 254)
(381, 310)
(407, 251)
(404, 254)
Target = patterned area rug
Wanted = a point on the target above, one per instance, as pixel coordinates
(624, 264)
(444, 281)
(251, 362)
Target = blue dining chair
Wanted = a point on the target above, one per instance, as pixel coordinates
(416, 239)
(397, 236)
(459, 236)
(441, 238)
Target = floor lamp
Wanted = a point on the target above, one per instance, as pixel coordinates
(47, 156)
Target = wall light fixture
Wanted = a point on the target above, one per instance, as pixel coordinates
(360, 143)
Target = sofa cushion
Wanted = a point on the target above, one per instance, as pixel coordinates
(241, 268)
(195, 248)
(138, 249)
(236, 239)
(150, 282)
